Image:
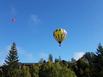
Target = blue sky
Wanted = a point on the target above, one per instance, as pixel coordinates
(37, 19)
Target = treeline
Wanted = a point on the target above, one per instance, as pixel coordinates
(90, 65)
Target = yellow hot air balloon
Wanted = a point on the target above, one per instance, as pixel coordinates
(60, 34)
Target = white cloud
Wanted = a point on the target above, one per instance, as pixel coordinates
(34, 19)
(78, 55)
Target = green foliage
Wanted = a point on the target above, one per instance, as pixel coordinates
(1, 73)
(99, 61)
(58, 60)
(100, 50)
(55, 70)
(11, 62)
(25, 72)
(90, 65)
(12, 58)
(50, 58)
(15, 73)
(42, 61)
(34, 70)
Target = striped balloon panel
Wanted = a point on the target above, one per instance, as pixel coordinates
(59, 35)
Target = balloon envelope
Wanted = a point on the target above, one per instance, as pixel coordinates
(60, 35)
(13, 20)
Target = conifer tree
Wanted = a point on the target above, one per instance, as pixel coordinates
(11, 61)
(50, 58)
(12, 57)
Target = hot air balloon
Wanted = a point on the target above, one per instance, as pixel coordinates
(59, 35)
(13, 20)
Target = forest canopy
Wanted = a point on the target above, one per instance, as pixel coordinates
(89, 65)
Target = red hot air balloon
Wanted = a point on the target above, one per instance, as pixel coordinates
(13, 20)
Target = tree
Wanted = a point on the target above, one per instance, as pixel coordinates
(58, 60)
(99, 50)
(12, 57)
(99, 61)
(50, 58)
(12, 62)
(25, 72)
(55, 70)
(34, 71)
(42, 61)
(73, 60)
(91, 70)
(1, 73)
